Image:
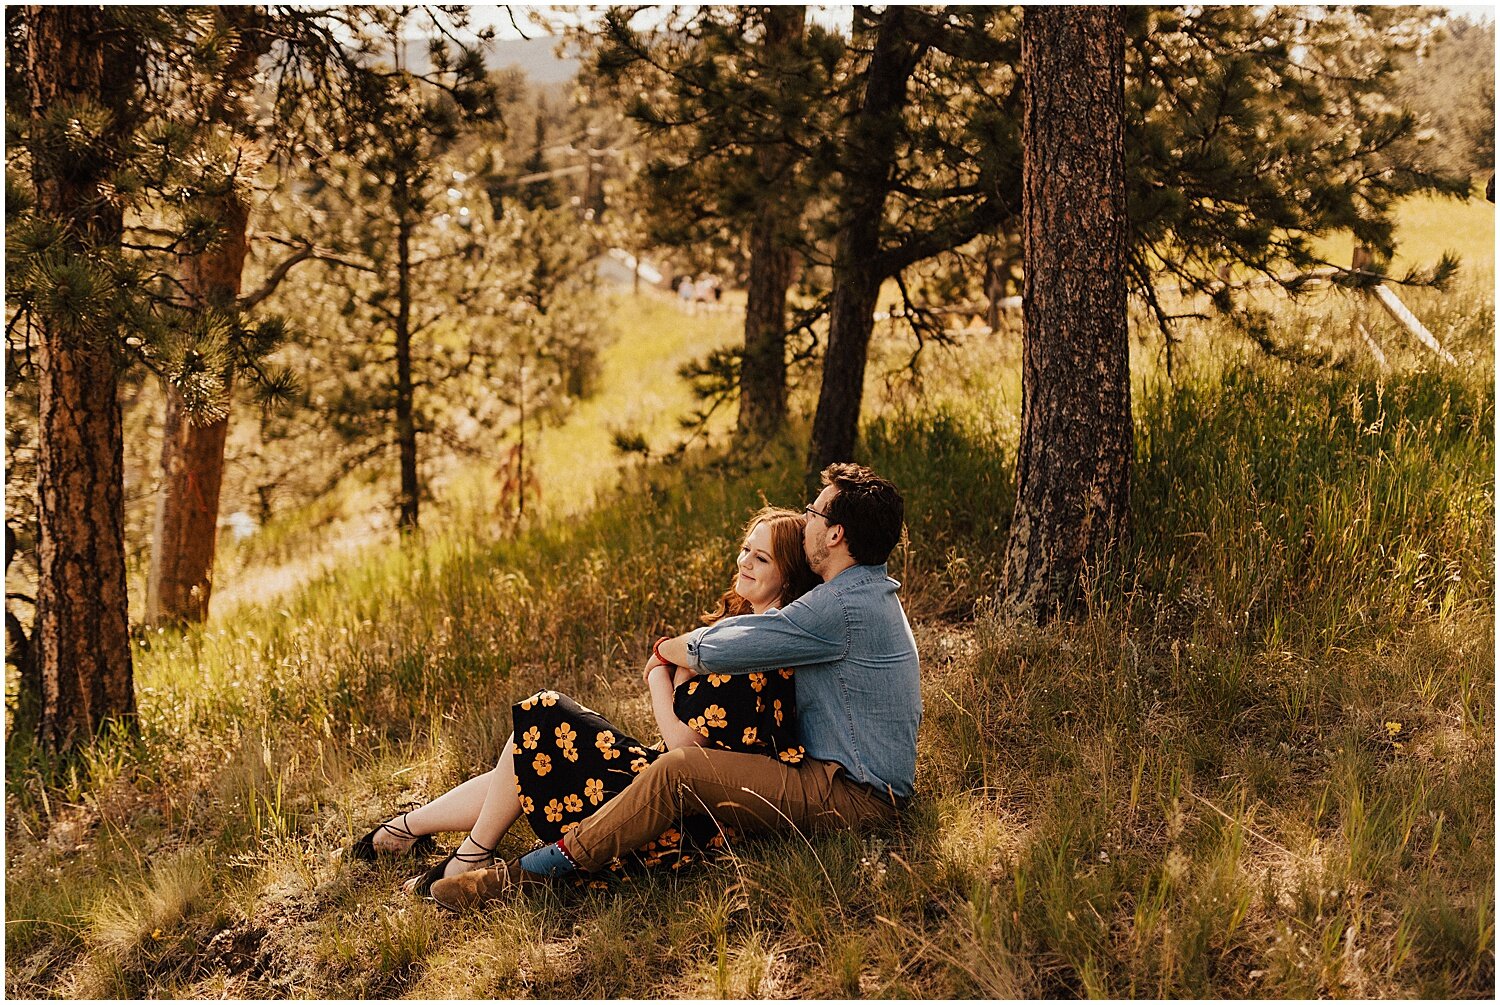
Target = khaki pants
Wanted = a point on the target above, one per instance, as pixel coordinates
(750, 792)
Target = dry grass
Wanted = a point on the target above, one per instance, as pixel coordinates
(1262, 766)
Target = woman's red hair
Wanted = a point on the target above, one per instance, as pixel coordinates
(786, 554)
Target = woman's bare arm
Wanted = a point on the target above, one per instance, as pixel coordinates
(673, 730)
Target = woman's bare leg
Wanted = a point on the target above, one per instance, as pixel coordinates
(462, 807)
(498, 807)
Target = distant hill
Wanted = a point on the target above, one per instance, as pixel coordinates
(535, 57)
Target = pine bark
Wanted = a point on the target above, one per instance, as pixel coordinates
(180, 582)
(1073, 473)
(857, 273)
(81, 637)
(762, 411)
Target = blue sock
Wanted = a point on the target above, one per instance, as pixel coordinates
(548, 860)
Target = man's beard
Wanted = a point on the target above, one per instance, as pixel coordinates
(817, 557)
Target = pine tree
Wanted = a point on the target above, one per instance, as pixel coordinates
(82, 96)
(1249, 131)
(906, 188)
(104, 171)
(729, 100)
(180, 580)
(415, 116)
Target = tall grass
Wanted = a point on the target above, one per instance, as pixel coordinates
(1262, 764)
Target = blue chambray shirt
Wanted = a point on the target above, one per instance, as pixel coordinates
(858, 683)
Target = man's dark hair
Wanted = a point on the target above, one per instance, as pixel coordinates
(869, 508)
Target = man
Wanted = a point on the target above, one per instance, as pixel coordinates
(858, 696)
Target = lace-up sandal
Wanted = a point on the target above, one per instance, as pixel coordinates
(364, 849)
(471, 890)
(423, 887)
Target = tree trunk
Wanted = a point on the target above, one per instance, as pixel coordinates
(763, 364)
(406, 425)
(1073, 470)
(192, 454)
(81, 637)
(856, 270)
(180, 582)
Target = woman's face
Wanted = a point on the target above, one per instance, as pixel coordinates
(759, 581)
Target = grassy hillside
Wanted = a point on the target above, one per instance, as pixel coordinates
(1262, 766)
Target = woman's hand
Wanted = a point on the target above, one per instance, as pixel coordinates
(681, 675)
(673, 730)
(652, 664)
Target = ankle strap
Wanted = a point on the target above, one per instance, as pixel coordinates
(478, 856)
(402, 831)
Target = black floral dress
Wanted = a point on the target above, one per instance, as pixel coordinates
(570, 759)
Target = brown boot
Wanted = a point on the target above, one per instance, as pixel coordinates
(480, 886)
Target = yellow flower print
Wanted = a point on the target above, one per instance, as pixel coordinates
(569, 826)
(715, 679)
(531, 738)
(541, 764)
(549, 698)
(785, 674)
(530, 703)
(565, 735)
(791, 755)
(670, 836)
(571, 753)
(527, 806)
(572, 803)
(757, 681)
(692, 686)
(776, 710)
(696, 724)
(717, 841)
(594, 789)
(554, 811)
(760, 706)
(750, 736)
(716, 716)
(605, 741)
(639, 764)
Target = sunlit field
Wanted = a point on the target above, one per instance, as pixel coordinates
(1262, 766)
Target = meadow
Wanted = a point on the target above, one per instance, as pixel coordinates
(1261, 764)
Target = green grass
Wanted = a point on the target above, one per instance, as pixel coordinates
(1261, 766)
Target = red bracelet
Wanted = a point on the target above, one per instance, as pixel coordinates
(656, 650)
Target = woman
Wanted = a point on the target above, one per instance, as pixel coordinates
(571, 759)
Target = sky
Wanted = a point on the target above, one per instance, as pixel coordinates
(500, 19)
(1474, 12)
(830, 14)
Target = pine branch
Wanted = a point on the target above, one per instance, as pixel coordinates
(943, 237)
(251, 301)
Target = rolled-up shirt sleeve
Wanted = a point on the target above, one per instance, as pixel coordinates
(813, 629)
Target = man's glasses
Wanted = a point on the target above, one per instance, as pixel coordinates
(812, 512)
